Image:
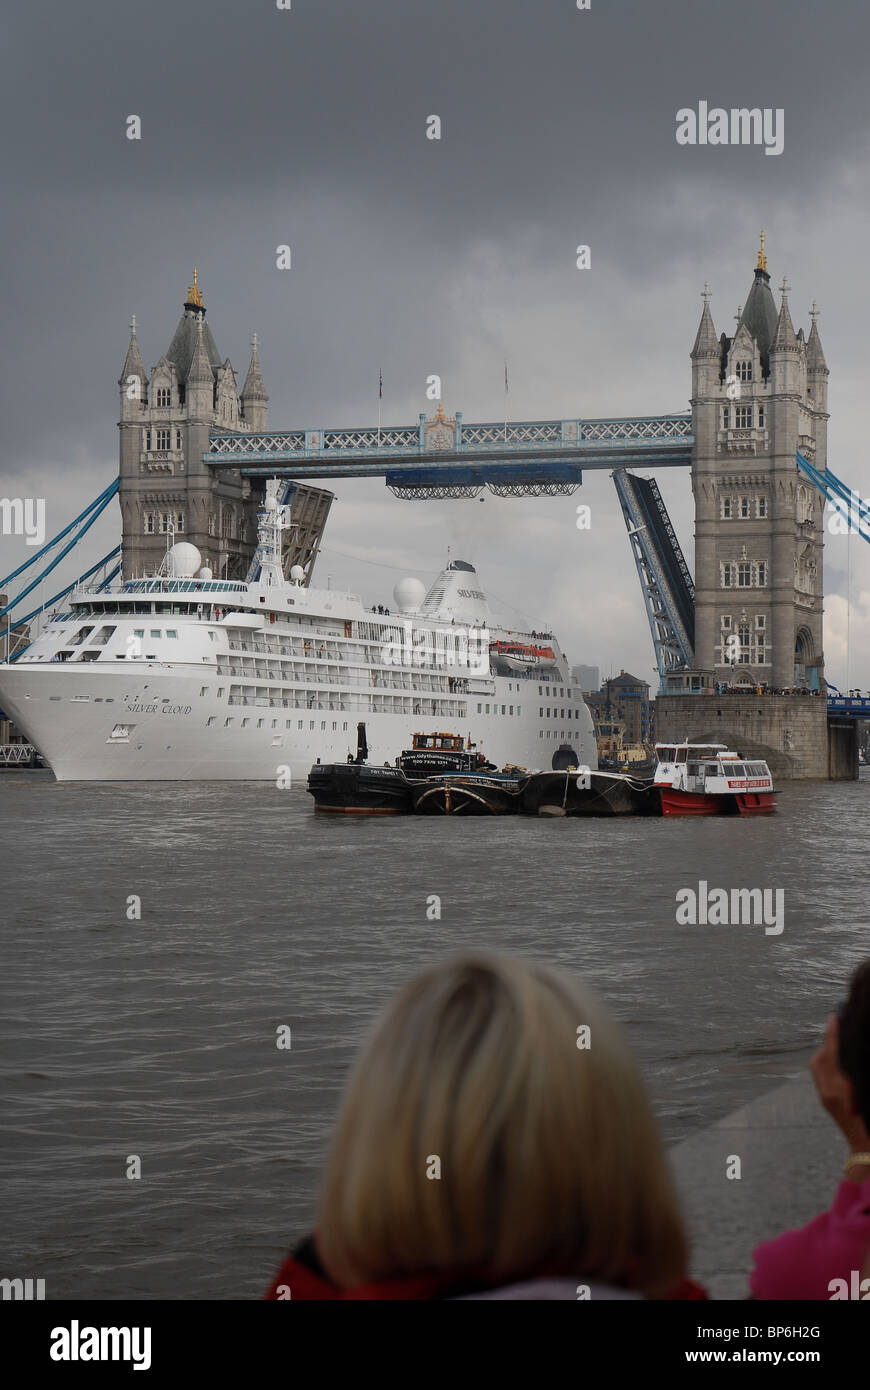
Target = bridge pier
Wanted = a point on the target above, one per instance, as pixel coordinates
(842, 749)
(791, 732)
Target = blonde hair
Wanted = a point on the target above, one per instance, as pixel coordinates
(550, 1159)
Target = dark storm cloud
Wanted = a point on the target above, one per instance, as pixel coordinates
(307, 127)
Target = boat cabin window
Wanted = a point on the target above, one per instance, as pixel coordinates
(666, 755)
(682, 754)
(81, 636)
(712, 770)
(103, 636)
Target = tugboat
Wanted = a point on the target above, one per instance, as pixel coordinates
(356, 788)
(709, 779)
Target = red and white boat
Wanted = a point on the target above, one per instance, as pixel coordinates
(709, 779)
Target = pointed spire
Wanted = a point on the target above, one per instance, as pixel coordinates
(194, 294)
(133, 365)
(815, 357)
(761, 264)
(200, 367)
(784, 338)
(759, 316)
(706, 342)
(254, 388)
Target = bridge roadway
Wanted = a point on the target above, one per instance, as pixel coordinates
(858, 707)
(442, 450)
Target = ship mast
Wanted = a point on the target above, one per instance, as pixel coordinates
(270, 525)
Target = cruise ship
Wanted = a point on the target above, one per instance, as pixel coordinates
(182, 676)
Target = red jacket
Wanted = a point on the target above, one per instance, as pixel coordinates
(302, 1276)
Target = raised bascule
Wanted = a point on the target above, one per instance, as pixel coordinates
(195, 453)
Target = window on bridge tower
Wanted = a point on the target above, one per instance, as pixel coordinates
(164, 396)
(744, 417)
(744, 371)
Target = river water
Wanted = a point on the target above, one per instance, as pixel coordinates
(156, 1036)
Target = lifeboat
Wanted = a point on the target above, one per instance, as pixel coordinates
(520, 656)
(544, 656)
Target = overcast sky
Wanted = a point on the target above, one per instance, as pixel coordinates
(307, 127)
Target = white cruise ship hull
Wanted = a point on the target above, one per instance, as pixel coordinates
(181, 677)
(70, 717)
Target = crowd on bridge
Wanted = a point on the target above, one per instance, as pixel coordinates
(522, 1162)
(728, 688)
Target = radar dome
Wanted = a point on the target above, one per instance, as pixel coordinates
(205, 573)
(184, 560)
(297, 574)
(408, 595)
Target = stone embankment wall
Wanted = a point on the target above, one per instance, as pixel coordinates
(790, 732)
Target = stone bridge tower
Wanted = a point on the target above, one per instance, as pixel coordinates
(756, 399)
(165, 488)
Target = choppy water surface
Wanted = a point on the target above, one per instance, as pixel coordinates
(157, 1037)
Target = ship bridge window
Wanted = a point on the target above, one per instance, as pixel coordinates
(681, 755)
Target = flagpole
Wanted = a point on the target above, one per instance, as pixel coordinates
(505, 401)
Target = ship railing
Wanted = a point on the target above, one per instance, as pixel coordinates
(322, 677)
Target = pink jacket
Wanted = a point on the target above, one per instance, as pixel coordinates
(804, 1263)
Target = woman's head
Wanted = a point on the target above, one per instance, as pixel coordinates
(854, 1035)
(516, 1080)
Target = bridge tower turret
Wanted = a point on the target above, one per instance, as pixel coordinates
(164, 426)
(756, 399)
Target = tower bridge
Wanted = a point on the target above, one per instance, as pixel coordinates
(195, 451)
(446, 457)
